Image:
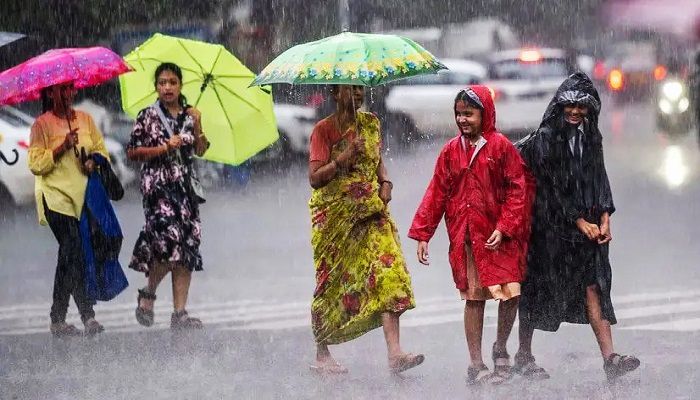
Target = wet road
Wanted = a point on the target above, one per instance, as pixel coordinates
(255, 291)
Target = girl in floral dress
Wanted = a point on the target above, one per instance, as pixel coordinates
(361, 277)
(169, 241)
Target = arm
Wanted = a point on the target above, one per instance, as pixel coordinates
(201, 144)
(605, 198)
(323, 168)
(432, 207)
(42, 159)
(514, 206)
(385, 185)
(137, 150)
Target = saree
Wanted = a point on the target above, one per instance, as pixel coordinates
(360, 270)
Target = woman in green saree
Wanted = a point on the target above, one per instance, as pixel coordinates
(361, 277)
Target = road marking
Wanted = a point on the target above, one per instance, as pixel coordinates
(263, 315)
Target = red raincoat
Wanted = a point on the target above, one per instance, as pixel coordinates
(493, 191)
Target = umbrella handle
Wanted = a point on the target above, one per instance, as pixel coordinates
(70, 129)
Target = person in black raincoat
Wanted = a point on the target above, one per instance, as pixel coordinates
(568, 272)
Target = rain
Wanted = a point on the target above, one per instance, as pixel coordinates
(251, 325)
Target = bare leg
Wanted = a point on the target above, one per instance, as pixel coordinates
(507, 311)
(525, 333)
(155, 276)
(390, 322)
(325, 361)
(601, 327)
(473, 329)
(323, 354)
(181, 287)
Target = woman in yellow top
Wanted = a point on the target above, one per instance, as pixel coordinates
(57, 137)
(361, 278)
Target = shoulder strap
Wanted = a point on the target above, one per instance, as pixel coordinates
(163, 119)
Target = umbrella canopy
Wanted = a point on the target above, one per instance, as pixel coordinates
(83, 66)
(238, 119)
(9, 37)
(350, 58)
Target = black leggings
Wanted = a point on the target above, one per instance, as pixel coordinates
(69, 278)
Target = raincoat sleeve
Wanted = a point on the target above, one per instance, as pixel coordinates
(432, 208)
(98, 141)
(40, 153)
(605, 199)
(514, 209)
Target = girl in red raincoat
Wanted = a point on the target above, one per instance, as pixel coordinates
(482, 188)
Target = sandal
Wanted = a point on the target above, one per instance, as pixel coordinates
(62, 329)
(181, 321)
(480, 375)
(501, 364)
(616, 365)
(92, 327)
(328, 368)
(143, 316)
(405, 361)
(525, 366)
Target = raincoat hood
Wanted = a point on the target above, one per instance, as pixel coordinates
(488, 110)
(577, 88)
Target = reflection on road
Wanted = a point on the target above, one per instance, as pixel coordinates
(674, 168)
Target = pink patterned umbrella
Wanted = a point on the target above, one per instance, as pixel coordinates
(83, 66)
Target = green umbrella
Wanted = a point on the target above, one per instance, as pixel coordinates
(237, 119)
(350, 58)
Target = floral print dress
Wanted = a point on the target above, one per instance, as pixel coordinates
(360, 270)
(172, 231)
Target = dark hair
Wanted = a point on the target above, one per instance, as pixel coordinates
(46, 102)
(175, 69)
(464, 96)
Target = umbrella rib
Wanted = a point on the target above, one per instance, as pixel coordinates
(234, 76)
(201, 92)
(201, 68)
(238, 96)
(228, 120)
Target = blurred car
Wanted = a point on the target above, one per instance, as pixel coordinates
(522, 83)
(632, 70)
(428, 100)
(486, 35)
(17, 181)
(295, 124)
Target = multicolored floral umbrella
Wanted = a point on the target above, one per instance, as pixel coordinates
(83, 66)
(350, 58)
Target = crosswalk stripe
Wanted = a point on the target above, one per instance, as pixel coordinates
(683, 325)
(259, 314)
(23, 311)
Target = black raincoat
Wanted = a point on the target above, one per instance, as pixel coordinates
(561, 261)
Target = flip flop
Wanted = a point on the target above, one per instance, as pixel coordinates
(405, 361)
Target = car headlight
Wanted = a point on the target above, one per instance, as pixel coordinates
(683, 104)
(665, 106)
(672, 90)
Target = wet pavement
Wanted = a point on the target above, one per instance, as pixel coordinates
(255, 292)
